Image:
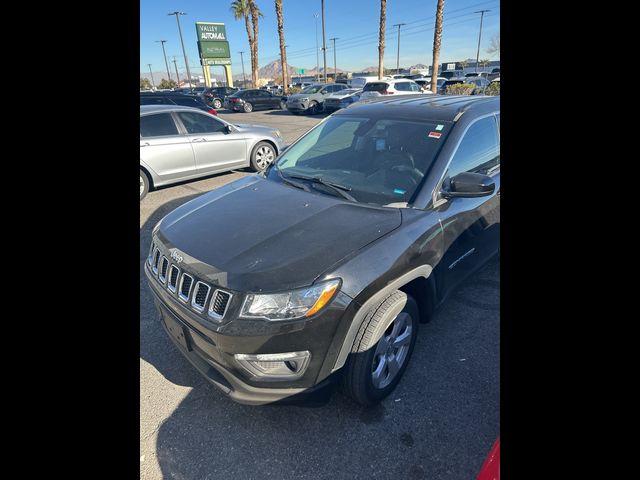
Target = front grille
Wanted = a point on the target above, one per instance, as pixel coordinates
(174, 272)
(185, 287)
(200, 296)
(150, 256)
(164, 265)
(156, 258)
(219, 304)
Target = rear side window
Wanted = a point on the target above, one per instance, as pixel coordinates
(200, 123)
(402, 87)
(479, 150)
(375, 87)
(158, 125)
(153, 100)
(187, 101)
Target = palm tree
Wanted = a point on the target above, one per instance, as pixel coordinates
(383, 20)
(255, 14)
(437, 40)
(240, 9)
(494, 46)
(283, 52)
(484, 62)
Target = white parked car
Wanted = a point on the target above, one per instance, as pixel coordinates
(390, 87)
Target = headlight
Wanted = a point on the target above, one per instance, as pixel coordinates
(304, 302)
(305, 99)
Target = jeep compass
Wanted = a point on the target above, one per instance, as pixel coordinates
(320, 269)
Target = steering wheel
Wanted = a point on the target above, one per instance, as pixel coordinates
(414, 175)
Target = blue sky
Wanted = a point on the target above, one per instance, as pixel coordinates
(354, 22)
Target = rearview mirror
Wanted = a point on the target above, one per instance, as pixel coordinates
(469, 185)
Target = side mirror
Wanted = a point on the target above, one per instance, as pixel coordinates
(227, 129)
(469, 185)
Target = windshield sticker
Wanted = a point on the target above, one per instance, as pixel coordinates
(435, 134)
(379, 144)
(399, 191)
(439, 127)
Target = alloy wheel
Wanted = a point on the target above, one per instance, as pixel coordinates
(391, 351)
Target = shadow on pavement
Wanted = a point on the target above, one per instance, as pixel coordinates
(438, 424)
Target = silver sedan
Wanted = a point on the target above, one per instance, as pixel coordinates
(183, 143)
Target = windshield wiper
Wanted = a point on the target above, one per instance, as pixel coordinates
(287, 180)
(339, 189)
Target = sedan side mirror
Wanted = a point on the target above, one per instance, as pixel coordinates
(228, 129)
(469, 185)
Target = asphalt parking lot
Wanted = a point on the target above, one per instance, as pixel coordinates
(438, 424)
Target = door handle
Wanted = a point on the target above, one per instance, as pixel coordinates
(145, 144)
(198, 140)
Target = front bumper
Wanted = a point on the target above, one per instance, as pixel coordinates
(298, 106)
(211, 349)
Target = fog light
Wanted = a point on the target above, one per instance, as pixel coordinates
(275, 366)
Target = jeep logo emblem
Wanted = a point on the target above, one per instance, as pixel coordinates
(176, 256)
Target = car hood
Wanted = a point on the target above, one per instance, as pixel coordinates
(337, 96)
(297, 96)
(259, 235)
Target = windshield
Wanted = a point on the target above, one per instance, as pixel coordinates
(378, 160)
(312, 89)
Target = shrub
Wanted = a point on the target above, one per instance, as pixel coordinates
(294, 90)
(493, 89)
(460, 89)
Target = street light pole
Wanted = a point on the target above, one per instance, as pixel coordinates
(398, 56)
(166, 64)
(152, 82)
(184, 52)
(324, 43)
(335, 69)
(244, 79)
(481, 12)
(175, 64)
(317, 49)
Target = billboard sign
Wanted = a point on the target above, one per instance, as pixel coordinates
(212, 42)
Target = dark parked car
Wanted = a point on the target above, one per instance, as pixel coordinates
(173, 98)
(320, 269)
(215, 96)
(255, 99)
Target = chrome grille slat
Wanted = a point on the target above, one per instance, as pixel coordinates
(156, 259)
(174, 274)
(150, 255)
(219, 303)
(186, 283)
(200, 295)
(164, 266)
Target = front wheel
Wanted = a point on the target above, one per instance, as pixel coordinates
(217, 104)
(314, 108)
(263, 154)
(283, 105)
(374, 368)
(144, 184)
(248, 108)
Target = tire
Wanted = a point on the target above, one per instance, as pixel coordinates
(144, 184)
(283, 105)
(313, 108)
(217, 104)
(367, 377)
(247, 107)
(262, 155)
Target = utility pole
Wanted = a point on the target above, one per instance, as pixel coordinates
(244, 79)
(324, 43)
(175, 64)
(481, 12)
(335, 69)
(152, 82)
(166, 64)
(398, 56)
(184, 52)
(316, 15)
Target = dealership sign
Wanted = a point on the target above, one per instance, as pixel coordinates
(212, 43)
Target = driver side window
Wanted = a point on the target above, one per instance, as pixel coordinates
(479, 150)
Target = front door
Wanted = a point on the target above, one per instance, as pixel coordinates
(214, 149)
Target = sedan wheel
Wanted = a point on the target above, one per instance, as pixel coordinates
(217, 104)
(262, 156)
(283, 105)
(144, 184)
(248, 108)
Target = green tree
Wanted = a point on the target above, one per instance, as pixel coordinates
(145, 84)
(383, 21)
(437, 41)
(240, 9)
(283, 52)
(484, 62)
(164, 83)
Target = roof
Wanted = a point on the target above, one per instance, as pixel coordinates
(436, 107)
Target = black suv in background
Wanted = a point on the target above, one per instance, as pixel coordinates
(254, 99)
(215, 96)
(322, 268)
(172, 98)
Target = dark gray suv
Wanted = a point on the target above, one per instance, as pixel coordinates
(321, 269)
(311, 99)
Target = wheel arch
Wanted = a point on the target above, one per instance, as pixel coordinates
(149, 175)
